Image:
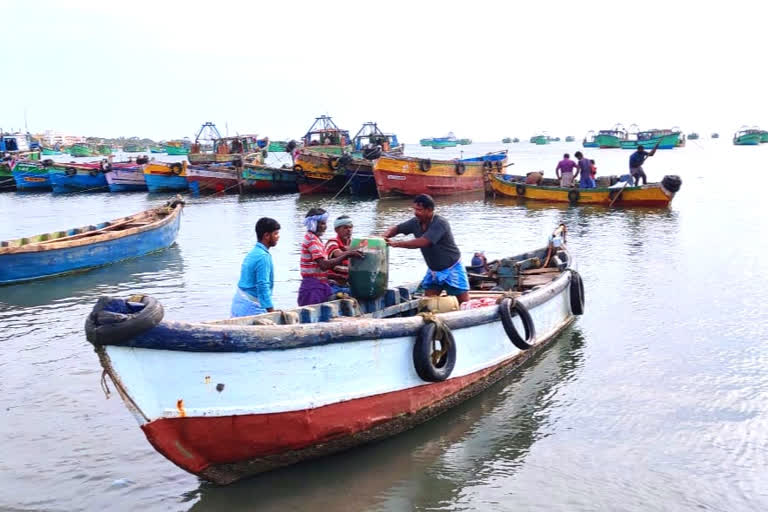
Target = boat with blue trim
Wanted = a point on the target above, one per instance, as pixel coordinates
(62, 252)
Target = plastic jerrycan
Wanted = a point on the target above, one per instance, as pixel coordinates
(369, 276)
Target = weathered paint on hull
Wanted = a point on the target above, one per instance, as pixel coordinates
(201, 410)
(210, 181)
(403, 176)
(121, 180)
(159, 178)
(25, 266)
(31, 177)
(268, 179)
(646, 195)
(7, 181)
(83, 180)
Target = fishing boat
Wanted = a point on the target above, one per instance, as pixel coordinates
(15, 143)
(570, 138)
(747, 137)
(325, 137)
(715, 135)
(177, 147)
(539, 139)
(261, 178)
(449, 141)
(31, 175)
(369, 135)
(608, 188)
(693, 136)
(661, 139)
(126, 177)
(232, 398)
(506, 140)
(80, 150)
(166, 176)
(612, 138)
(324, 173)
(213, 178)
(224, 149)
(409, 176)
(77, 177)
(515, 140)
(134, 147)
(763, 136)
(51, 151)
(7, 181)
(62, 252)
(464, 142)
(590, 140)
(157, 149)
(104, 149)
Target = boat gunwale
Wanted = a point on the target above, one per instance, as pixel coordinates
(107, 236)
(647, 186)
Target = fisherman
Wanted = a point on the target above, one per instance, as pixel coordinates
(432, 234)
(585, 170)
(636, 161)
(338, 276)
(564, 170)
(534, 178)
(257, 278)
(315, 263)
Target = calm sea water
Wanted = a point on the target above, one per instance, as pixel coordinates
(653, 400)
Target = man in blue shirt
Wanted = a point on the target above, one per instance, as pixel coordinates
(636, 161)
(257, 277)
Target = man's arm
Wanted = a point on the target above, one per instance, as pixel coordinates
(416, 243)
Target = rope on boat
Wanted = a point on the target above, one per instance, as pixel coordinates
(345, 185)
(105, 385)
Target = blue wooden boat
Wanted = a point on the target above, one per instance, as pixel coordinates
(32, 175)
(62, 252)
(71, 177)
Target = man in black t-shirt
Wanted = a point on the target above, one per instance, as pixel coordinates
(432, 234)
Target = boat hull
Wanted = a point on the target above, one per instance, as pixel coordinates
(665, 142)
(173, 150)
(750, 139)
(31, 176)
(604, 141)
(652, 194)
(126, 180)
(7, 179)
(160, 178)
(212, 180)
(267, 179)
(25, 266)
(64, 180)
(404, 177)
(202, 411)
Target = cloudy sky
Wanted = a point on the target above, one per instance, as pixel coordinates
(483, 70)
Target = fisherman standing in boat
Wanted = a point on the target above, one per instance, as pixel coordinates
(585, 170)
(338, 276)
(636, 161)
(432, 234)
(257, 277)
(315, 263)
(564, 171)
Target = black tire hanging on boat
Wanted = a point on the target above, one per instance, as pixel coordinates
(143, 159)
(672, 183)
(176, 168)
(291, 146)
(93, 172)
(426, 367)
(520, 189)
(499, 165)
(425, 164)
(298, 169)
(460, 168)
(487, 165)
(70, 171)
(107, 327)
(345, 160)
(105, 165)
(372, 152)
(237, 162)
(333, 163)
(506, 309)
(47, 162)
(577, 293)
(573, 196)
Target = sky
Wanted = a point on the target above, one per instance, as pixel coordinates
(483, 70)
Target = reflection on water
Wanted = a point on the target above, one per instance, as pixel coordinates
(654, 400)
(470, 443)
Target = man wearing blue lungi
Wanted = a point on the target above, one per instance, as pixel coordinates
(432, 234)
(253, 295)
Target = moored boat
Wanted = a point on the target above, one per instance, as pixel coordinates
(77, 177)
(177, 147)
(325, 378)
(325, 137)
(747, 137)
(661, 139)
(166, 176)
(539, 139)
(80, 150)
(652, 194)
(448, 141)
(261, 178)
(61, 252)
(226, 149)
(570, 138)
(589, 140)
(135, 148)
(409, 176)
(30, 175)
(104, 149)
(157, 149)
(763, 136)
(51, 151)
(613, 138)
(506, 140)
(213, 178)
(324, 173)
(693, 136)
(715, 135)
(126, 178)
(369, 136)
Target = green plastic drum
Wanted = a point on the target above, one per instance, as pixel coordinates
(369, 277)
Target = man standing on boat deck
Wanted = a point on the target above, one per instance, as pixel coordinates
(257, 278)
(585, 170)
(636, 161)
(338, 276)
(564, 171)
(315, 263)
(432, 234)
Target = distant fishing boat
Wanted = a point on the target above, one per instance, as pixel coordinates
(126, 178)
(570, 138)
(30, 175)
(166, 176)
(693, 136)
(515, 140)
(80, 150)
(666, 139)
(157, 149)
(51, 151)
(612, 138)
(410, 176)
(260, 178)
(325, 137)
(464, 142)
(62, 252)
(223, 149)
(539, 139)
(448, 141)
(228, 399)
(506, 140)
(134, 148)
(747, 137)
(177, 147)
(323, 173)
(652, 194)
(763, 136)
(369, 135)
(104, 149)
(715, 135)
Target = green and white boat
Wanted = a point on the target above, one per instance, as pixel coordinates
(748, 137)
(135, 148)
(665, 139)
(540, 139)
(81, 150)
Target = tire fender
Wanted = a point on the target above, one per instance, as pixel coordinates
(105, 326)
(573, 196)
(520, 189)
(434, 365)
(460, 168)
(576, 292)
(425, 164)
(507, 309)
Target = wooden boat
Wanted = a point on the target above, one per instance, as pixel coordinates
(409, 176)
(666, 139)
(104, 149)
(261, 178)
(449, 141)
(715, 135)
(30, 175)
(327, 173)
(51, 151)
(80, 150)
(61, 252)
(515, 140)
(747, 137)
(166, 176)
(652, 194)
(213, 178)
(325, 137)
(763, 136)
(77, 177)
(369, 136)
(232, 398)
(7, 181)
(126, 178)
(177, 147)
(464, 142)
(226, 149)
(589, 140)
